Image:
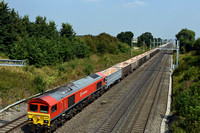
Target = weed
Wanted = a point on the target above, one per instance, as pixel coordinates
(39, 82)
(62, 69)
(73, 65)
(88, 69)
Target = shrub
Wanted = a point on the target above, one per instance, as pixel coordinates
(88, 69)
(123, 47)
(40, 83)
(73, 65)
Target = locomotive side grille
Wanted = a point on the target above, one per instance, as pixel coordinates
(71, 100)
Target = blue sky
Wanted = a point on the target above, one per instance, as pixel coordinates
(163, 18)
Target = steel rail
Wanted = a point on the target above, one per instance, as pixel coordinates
(10, 126)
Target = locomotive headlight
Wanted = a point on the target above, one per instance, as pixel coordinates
(46, 121)
(30, 119)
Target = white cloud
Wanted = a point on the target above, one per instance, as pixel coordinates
(135, 3)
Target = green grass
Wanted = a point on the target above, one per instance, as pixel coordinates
(3, 56)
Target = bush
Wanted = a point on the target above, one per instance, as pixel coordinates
(61, 68)
(40, 83)
(123, 47)
(88, 69)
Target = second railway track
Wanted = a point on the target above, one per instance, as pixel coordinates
(12, 125)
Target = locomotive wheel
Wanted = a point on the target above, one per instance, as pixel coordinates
(62, 121)
(48, 130)
(55, 124)
(70, 114)
(32, 128)
(75, 111)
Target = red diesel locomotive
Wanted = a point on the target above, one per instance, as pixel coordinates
(53, 108)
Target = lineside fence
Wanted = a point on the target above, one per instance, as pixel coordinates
(20, 63)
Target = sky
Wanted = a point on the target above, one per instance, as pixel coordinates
(163, 18)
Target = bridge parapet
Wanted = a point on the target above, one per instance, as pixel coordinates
(6, 62)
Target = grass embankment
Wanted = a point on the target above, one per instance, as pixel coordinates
(21, 82)
(186, 95)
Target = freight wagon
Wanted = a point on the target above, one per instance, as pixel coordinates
(113, 75)
(126, 68)
(134, 63)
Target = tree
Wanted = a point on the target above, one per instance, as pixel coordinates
(147, 36)
(40, 27)
(92, 42)
(52, 31)
(123, 47)
(67, 31)
(107, 43)
(8, 24)
(197, 46)
(125, 37)
(186, 38)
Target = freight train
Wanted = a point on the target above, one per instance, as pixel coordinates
(52, 109)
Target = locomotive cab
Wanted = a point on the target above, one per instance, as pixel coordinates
(39, 110)
(39, 114)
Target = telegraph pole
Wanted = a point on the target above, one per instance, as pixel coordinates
(157, 43)
(177, 56)
(160, 42)
(131, 47)
(150, 43)
(143, 45)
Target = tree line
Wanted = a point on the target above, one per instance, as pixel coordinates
(40, 43)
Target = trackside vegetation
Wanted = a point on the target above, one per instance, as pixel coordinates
(186, 86)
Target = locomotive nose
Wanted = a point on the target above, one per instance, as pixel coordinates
(39, 118)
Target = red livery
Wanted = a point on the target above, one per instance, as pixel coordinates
(65, 101)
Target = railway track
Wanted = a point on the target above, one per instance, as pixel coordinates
(12, 125)
(131, 98)
(150, 101)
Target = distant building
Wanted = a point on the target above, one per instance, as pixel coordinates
(135, 40)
